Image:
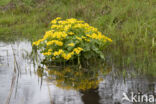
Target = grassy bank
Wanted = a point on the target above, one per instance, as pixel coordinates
(130, 23)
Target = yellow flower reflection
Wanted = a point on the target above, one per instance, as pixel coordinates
(72, 78)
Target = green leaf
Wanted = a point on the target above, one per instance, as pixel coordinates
(102, 56)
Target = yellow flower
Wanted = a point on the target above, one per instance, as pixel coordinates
(71, 44)
(47, 53)
(50, 50)
(88, 35)
(48, 34)
(62, 22)
(64, 35)
(72, 53)
(57, 53)
(59, 35)
(57, 26)
(71, 33)
(50, 43)
(78, 38)
(67, 56)
(63, 55)
(60, 51)
(71, 20)
(37, 42)
(109, 39)
(67, 27)
(59, 43)
(58, 18)
(53, 21)
(94, 36)
(80, 48)
(83, 37)
(77, 50)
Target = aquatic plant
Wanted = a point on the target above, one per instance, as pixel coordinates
(71, 39)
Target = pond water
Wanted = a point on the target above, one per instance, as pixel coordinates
(23, 82)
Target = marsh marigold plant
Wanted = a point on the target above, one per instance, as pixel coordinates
(71, 39)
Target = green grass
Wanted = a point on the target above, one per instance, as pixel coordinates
(130, 23)
(4, 2)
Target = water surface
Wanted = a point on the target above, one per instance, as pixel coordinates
(22, 81)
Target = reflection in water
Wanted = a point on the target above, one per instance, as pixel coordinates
(72, 78)
(23, 82)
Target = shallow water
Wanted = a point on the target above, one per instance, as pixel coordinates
(20, 82)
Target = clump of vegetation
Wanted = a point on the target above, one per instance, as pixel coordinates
(71, 39)
(131, 25)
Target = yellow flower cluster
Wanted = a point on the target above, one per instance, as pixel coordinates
(57, 35)
(53, 35)
(67, 56)
(59, 43)
(99, 36)
(66, 38)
